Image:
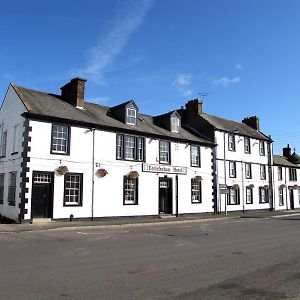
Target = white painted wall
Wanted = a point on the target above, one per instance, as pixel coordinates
(10, 116)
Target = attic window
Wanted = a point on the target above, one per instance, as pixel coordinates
(175, 123)
(130, 116)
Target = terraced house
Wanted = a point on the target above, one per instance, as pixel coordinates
(63, 157)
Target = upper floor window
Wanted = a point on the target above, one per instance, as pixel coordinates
(15, 139)
(175, 123)
(130, 116)
(196, 190)
(263, 172)
(280, 196)
(263, 195)
(248, 173)
(60, 141)
(279, 173)
(130, 190)
(2, 187)
(262, 150)
(249, 195)
(164, 152)
(232, 169)
(12, 188)
(4, 143)
(231, 142)
(293, 174)
(73, 189)
(247, 146)
(195, 156)
(130, 147)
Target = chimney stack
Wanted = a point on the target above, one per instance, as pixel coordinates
(73, 92)
(287, 151)
(252, 122)
(194, 107)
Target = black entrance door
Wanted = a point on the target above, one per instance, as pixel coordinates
(42, 195)
(292, 199)
(165, 195)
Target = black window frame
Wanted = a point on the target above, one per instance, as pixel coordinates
(68, 203)
(251, 195)
(233, 142)
(280, 199)
(264, 177)
(120, 149)
(237, 196)
(127, 117)
(68, 139)
(266, 192)
(169, 152)
(2, 182)
(250, 169)
(262, 148)
(199, 155)
(136, 191)
(279, 173)
(234, 164)
(292, 174)
(245, 145)
(199, 192)
(4, 143)
(12, 188)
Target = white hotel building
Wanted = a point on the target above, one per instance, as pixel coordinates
(63, 157)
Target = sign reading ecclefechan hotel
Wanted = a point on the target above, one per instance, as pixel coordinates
(164, 169)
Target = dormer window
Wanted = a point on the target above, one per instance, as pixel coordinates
(175, 122)
(131, 116)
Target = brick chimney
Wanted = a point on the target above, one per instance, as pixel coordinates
(194, 107)
(287, 151)
(252, 122)
(73, 92)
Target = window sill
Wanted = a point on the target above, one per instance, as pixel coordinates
(12, 203)
(2, 156)
(14, 153)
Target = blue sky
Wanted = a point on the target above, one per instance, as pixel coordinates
(162, 53)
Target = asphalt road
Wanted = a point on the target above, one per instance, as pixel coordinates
(232, 259)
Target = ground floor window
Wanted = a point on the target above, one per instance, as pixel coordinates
(299, 196)
(130, 190)
(263, 195)
(234, 197)
(280, 196)
(249, 195)
(12, 188)
(196, 191)
(1, 188)
(73, 189)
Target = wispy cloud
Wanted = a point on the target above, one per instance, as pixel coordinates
(103, 54)
(100, 99)
(225, 81)
(183, 82)
(239, 66)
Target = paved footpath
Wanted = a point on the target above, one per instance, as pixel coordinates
(140, 221)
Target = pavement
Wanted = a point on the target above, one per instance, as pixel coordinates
(140, 221)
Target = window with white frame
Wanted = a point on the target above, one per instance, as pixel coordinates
(262, 150)
(60, 142)
(247, 146)
(232, 169)
(195, 156)
(130, 116)
(248, 171)
(130, 147)
(164, 152)
(263, 172)
(293, 174)
(196, 190)
(12, 188)
(73, 189)
(4, 143)
(249, 195)
(175, 123)
(15, 139)
(280, 196)
(279, 169)
(234, 197)
(130, 191)
(263, 195)
(2, 176)
(231, 142)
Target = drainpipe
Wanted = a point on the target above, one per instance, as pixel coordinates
(270, 155)
(93, 172)
(176, 182)
(286, 189)
(243, 186)
(226, 195)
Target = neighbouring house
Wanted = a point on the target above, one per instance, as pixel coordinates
(287, 180)
(242, 159)
(63, 157)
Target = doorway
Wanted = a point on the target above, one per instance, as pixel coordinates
(42, 195)
(292, 206)
(165, 195)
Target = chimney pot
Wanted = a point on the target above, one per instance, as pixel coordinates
(252, 122)
(194, 106)
(287, 151)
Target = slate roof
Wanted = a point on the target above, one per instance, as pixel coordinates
(279, 160)
(230, 126)
(295, 158)
(50, 105)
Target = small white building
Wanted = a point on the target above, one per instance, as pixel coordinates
(242, 159)
(286, 172)
(63, 157)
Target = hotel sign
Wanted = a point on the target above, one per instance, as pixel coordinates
(164, 169)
